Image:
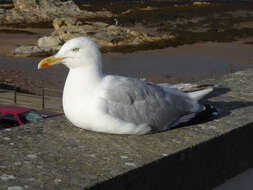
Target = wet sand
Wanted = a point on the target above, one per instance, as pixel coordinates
(9, 40)
(187, 62)
(182, 64)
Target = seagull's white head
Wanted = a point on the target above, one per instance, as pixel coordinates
(75, 53)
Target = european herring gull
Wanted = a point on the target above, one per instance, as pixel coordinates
(116, 104)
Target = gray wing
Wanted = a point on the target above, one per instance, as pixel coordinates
(139, 102)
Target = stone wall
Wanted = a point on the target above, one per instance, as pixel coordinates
(54, 154)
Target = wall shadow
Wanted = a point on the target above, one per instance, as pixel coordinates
(224, 107)
(200, 167)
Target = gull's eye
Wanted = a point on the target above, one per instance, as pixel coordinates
(75, 49)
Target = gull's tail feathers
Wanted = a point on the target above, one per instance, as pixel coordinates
(197, 95)
(194, 91)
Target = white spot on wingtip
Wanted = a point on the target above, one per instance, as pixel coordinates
(215, 113)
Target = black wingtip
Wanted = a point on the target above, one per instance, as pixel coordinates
(209, 113)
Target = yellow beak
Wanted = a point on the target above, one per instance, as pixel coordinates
(52, 60)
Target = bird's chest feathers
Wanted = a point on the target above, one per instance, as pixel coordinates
(77, 101)
(79, 98)
(79, 95)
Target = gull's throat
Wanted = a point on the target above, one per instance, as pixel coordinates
(83, 80)
(80, 86)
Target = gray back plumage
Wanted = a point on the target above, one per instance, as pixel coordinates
(139, 102)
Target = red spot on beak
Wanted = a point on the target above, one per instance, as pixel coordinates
(45, 65)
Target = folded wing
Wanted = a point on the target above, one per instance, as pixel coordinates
(139, 102)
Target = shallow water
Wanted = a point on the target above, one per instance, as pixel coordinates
(142, 65)
(166, 64)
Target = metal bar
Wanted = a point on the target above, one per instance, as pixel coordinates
(15, 94)
(50, 89)
(43, 98)
(231, 68)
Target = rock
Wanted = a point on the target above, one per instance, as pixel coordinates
(13, 16)
(29, 51)
(36, 11)
(113, 27)
(24, 4)
(148, 8)
(132, 32)
(105, 35)
(103, 14)
(58, 5)
(201, 3)
(46, 5)
(49, 41)
(66, 35)
(2, 11)
(2, 15)
(100, 24)
(8, 81)
(66, 21)
(102, 36)
(241, 25)
(127, 11)
(26, 50)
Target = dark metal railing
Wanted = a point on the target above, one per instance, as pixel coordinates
(45, 92)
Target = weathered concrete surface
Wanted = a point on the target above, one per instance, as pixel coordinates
(56, 155)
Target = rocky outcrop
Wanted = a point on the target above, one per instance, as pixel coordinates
(107, 36)
(24, 4)
(45, 5)
(36, 11)
(49, 42)
(201, 3)
(61, 22)
(30, 50)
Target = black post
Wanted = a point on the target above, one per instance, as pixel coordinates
(231, 68)
(15, 94)
(43, 98)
